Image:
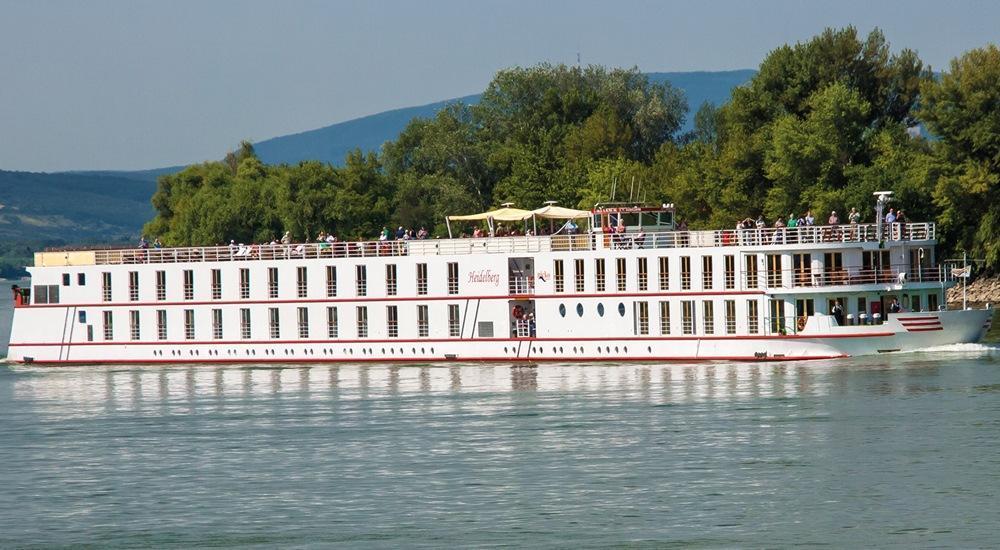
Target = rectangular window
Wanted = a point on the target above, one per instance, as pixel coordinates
(161, 324)
(454, 326)
(133, 324)
(423, 322)
(753, 317)
(664, 273)
(133, 286)
(932, 302)
(332, 322)
(664, 318)
(452, 277)
(189, 324)
(730, 316)
(558, 278)
(833, 268)
(422, 279)
(752, 280)
(642, 317)
(216, 284)
(274, 322)
(685, 273)
(301, 282)
(303, 322)
(392, 321)
(161, 285)
(773, 270)
(803, 269)
(244, 283)
(777, 316)
(106, 286)
(708, 308)
(579, 274)
(863, 305)
(362, 313)
(620, 273)
(706, 272)
(915, 303)
(390, 279)
(189, 284)
(361, 280)
(109, 326)
(66, 279)
(643, 274)
(599, 274)
(245, 323)
(217, 324)
(272, 282)
(687, 316)
(331, 281)
(81, 279)
(729, 267)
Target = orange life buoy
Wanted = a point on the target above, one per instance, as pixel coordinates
(802, 323)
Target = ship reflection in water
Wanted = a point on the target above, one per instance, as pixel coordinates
(93, 390)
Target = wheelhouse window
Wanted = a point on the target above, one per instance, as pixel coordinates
(189, 324)
(390, 279)
(454, 321)
(392, 321)
(361, 280)
(452, 277)
(161, 324)
(244, 283)
(216, 284)
(331, 281)
(188, 284)
(301, 282)
(362, 318)
(664, 273)
(217, 324)
(599, 277)
(578, 266)
(272, 282)
(133, 324)
(332, 322)
(106, 286)
(423, 322)
(643, 268)
(303, 316)
(422, 279)
(558, 279)
(133, 286)
(161, 285)
(274, 322)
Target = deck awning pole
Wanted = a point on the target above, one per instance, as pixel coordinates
(448, 223)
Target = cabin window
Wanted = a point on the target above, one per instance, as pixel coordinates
(753, 317)
(216, 284)
(932, 302)
(361, 280)
(161, 324)
(189, 324)
(82, 316)
(803, 269)
(729, 268)
(862, 306)
(423, 323)
(559, 275)
(133, 324)
(245, 323)
(915, 302)
(805, 308)
(642, 318)
(730, 306)
(161, 285)
(392, 321)
(421, 279)
(708, 309)
(485, 329)
(833, 268)
(109, 326)
(664, 318)
(65, 279)
(188, 284)
(454, 320)
(274, 322)
(301, 282)
(272, 282)
(706, 272)
(133, 286)
(303, 317)
(685, 273)
(687, 316)
(620, 273)
(390, 279)
(331, 281)
(46, 294)
(217, 324)
(579, 273)
(777, 316)
(362, 319)
(643, 268)
(106, 286)
(773, 270)
(752, 279)
(664, 273)
(244, 283)
(332, 322)
(452, 277)
(81, 279)
(599, 274)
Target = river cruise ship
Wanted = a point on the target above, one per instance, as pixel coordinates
(629, 287)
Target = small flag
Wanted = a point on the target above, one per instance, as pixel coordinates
(961, 271)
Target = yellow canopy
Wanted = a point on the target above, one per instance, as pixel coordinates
(560, 213)
(500, 215)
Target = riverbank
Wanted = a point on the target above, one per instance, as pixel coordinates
(981, 291)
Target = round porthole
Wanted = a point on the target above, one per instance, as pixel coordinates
(579, 310)
(562, 310)
(600, 309)
(621, 309)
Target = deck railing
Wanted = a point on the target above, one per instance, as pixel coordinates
(521, 244)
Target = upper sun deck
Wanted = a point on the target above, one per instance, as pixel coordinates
(817, 236)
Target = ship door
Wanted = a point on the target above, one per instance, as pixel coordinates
(522, 318)
(521, 276)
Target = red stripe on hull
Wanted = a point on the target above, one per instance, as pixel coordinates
(927, 329)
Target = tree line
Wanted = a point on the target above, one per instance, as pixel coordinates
(822, 125)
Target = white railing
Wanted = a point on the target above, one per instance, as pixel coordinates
(522, 244)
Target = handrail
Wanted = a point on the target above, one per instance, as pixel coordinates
(818, 234)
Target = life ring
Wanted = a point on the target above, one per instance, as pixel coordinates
(801, 323)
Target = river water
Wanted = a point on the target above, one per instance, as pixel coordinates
(897, 450)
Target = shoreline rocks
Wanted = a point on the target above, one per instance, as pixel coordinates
(980, 291)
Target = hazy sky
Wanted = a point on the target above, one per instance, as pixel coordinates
(143, 84)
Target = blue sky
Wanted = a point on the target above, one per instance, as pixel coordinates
(143, 84)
